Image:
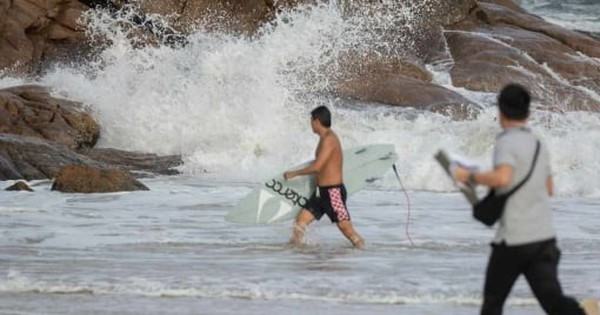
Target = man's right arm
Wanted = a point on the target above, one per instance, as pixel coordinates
(498, 178)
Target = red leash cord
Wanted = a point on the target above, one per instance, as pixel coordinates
(408, 206)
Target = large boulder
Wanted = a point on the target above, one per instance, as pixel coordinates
(496, 14)
(39, 134)
(491, 42)
(243, 17)
(397, 89)
(397, 81)
(498, 45)
(32, 111)
(84, 179)
(510, 4)
(482, 63)
(19, 186)
(31, 158)
(402, 79)
(30, 30)
(134, 161)
(246, 17)
(35, 158)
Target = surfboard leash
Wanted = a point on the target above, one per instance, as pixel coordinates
(407, 226)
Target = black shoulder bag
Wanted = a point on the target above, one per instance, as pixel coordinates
(490, 209)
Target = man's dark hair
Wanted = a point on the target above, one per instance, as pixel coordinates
(513, 102)
(323, 115)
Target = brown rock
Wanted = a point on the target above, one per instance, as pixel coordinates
(403, 91)
(243, 17)
(547, 44)
(246, 17)
(509, 4)
(31, 111)
(68, 17)
(30, 28)
(368, 66)
(19, 186)
(394, 81)
(595, 35)
(489, 52)
(135, 161)
(16, 50)
(447, 12)
(83, 179)
(496, 14)
(35, 158)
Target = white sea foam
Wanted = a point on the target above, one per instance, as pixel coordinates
(18, 283)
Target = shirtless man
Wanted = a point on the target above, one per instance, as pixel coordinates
(330, 196)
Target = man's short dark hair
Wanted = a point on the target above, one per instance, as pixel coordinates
(323, 115)
(513, 102)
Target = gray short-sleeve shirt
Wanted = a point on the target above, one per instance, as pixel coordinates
(527, 217)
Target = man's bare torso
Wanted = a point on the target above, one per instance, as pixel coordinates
(331, 173)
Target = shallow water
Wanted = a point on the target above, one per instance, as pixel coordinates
(169, 251)
(574, 14)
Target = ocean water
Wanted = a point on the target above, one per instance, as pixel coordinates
(237, 109)
(169, 251)
(581, 15)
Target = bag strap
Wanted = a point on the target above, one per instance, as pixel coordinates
(535, 157)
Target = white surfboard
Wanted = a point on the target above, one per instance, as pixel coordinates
(279, 200)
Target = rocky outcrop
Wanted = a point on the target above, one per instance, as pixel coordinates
(19, 186)
(498, 45)
(35, 158)
(398, 89)
(510, 4)
(39, 134)
(492, 42)
(496, 14)
(403, 80)
(234, 16)
(31, 30)
(29, 158)
(32, 111)
(393, 81)
(135, 161)
(83, 179)
(237, 17)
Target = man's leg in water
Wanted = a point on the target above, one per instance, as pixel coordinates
(303, 219)
(347, 229)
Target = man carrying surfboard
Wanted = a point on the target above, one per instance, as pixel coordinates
(330, 194)
(525, 242)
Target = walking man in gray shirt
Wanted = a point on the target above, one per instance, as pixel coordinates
(525, 242)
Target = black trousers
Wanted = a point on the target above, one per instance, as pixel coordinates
(538, 262)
